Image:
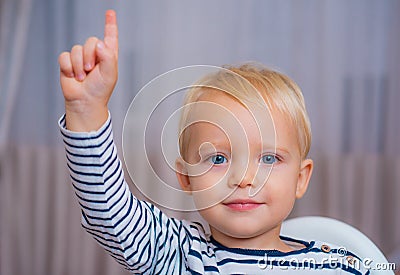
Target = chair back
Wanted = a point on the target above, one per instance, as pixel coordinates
(339, 233)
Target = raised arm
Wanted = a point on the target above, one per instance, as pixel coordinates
(88, 74)
(135, 233)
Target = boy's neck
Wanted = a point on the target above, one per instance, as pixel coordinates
(266, 241)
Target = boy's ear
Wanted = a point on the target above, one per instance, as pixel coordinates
(182, 175)
(306, 168)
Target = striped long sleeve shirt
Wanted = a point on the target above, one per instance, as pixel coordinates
(145, 241)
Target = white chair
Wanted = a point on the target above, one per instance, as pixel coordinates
(338, 233)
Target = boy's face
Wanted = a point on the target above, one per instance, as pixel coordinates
(243, 186)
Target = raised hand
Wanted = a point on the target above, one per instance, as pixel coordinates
(88, 75)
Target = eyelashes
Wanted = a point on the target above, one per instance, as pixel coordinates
(269, 159)
(218, 159)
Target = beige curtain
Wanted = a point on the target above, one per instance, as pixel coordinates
(40, 226)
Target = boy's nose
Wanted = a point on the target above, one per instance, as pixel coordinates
(242, 177)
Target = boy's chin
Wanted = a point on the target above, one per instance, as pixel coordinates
(240, 230)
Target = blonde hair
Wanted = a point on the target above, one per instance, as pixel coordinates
(277, 90)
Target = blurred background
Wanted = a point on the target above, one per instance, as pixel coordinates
(344, 55)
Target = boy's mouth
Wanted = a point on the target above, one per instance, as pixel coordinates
(242, 205)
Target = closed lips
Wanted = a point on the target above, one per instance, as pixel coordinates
(242, 205)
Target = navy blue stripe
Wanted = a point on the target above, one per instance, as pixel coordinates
(92, 164)
(118, 180)
(117, 234)
(84, 173)
(96, 183)
(102, 202)
(133, 267)
(146, 229)
(119, 257)
(118, 168)
(194, 272)
(109, 226)
(146, 248)
(198, 238)
(160, 248)
(100, 192)
(239, 261)
(110, 248)
(81, 182)
(97, 145)
(90, 155)
(195, 253)
(107, 127)
(171, 261)
(110, 217)
(62, 121)
(88, 192)
(211, 268)
(271, 253)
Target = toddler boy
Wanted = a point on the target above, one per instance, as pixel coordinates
(244, 140)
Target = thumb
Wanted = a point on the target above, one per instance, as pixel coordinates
(107, 60)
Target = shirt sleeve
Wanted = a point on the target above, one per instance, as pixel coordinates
(135, 233)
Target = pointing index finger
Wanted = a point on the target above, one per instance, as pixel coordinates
(111, 31)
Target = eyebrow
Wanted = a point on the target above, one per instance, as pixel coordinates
(227, 146)
(285, 151)
(277, 149)
(220, 144)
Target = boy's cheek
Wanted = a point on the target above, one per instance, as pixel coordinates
(207, 178)
(279, 191)
(209, 194)
(202, 170)
(206, 184)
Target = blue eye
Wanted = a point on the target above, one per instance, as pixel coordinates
(218, 159)
(269, 159)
